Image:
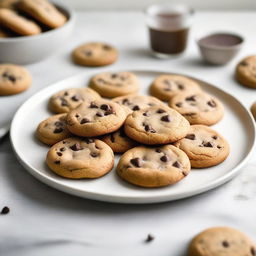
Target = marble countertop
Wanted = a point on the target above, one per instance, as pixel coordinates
(44, 221)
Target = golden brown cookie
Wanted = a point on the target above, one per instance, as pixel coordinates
(44, 12)
(69, 99)
(114, 84)
(246, 72)
(53, 129)
(198, 108)
(154, 166)
(95, 118)
(156, 125)
(164, 87)
(204, 146)
(77, 158)
(94, 54)
(13, 79)
(18, 23)
(221, 241)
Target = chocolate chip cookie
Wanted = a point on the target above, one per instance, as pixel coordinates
(95, 118)
(94, 54)
(119, 141)
(221, 241)
(53, 129)
(69, 99)
(136, 102)
(77, 158)
(204, 146)
(246, 72)
(156, 125)
(253, 110)
(13, 79)
(17, 23)
(153, 167)
(114, 84)
(165, 87)
(44, 12)
(198, 108)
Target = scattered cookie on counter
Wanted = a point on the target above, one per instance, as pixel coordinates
(94, 54)
(14, 79)
(77, 158)
(119, 141)
(246, 72)
(114, 84)
(204, 146)
(221, 241)
(135, 102)
(69, 99)
(153, 167)
(44, 12)
(164, 87)
(18, 23)
(95, 118)
(198, 108)
(253, 110)
(53, 129)
(156, 125)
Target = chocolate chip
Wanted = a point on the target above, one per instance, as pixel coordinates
(114, 76)
(9, 76)
(136, 162)
(125, 101)
(184, 173)
(63, 102)
(106, 47)
(58, 130)
(219, 147)
(88, 53)
(76, 98)
(76, 115)
(158, 150)
(166, 118)
(160, 111)
(225, 244)
(59, 153)
(207, 144)
(94, 154)
(191, 136)
(5, 210)
(88, 140)
(76, 147)
(164, 158)
(109, 112)
(148, 128)
(179, 104)
(215, 137)
(66, 94)
(62, 149)
(212, 103)
(243, 63)
(57, 162)
(191, 98)
(149, 238)
(84, 121)
(105, 107)
(136, 107)
(64, 142)
(176, 164)
(112, 138)
(181, 87)
(145, 114)
(99, 114)
(93, 105)
(253, 251)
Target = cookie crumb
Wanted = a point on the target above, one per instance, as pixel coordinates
(149, 238)
(5, 210)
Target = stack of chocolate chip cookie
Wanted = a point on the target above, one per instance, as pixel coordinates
(28, 17)
(159, 143)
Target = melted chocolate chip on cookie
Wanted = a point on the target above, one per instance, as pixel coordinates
(76, 147)
(136, 162)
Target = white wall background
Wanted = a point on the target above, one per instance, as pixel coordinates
(140, 4)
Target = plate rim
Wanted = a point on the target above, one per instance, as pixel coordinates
(50, 181)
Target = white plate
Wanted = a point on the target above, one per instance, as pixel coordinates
(237, 127)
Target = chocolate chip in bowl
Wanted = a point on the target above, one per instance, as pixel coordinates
(32, 39)
(220, 48)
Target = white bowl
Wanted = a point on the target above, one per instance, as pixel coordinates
(30, 49)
